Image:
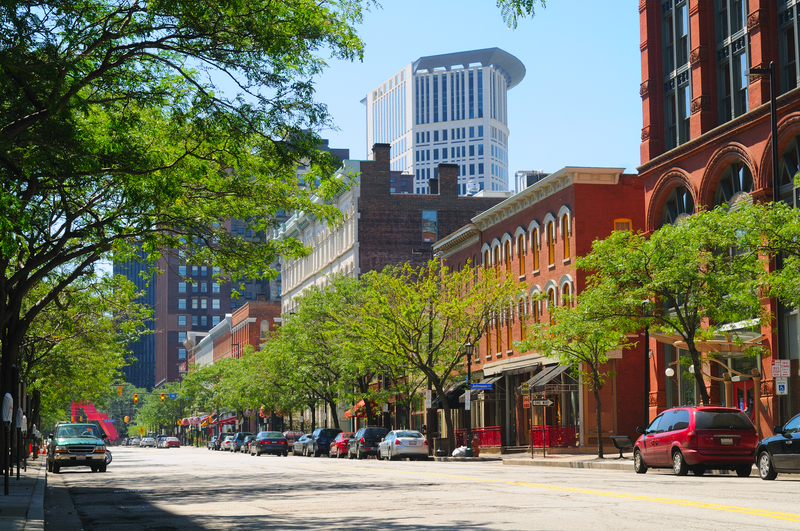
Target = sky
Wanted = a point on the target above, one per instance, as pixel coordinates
(578, 104)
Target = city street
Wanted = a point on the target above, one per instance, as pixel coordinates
(188, 488)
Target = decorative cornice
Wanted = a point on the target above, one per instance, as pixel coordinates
(463, 237)
(698, 54)
(644, 88)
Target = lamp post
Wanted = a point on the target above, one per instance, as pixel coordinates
(468, 349)
(645, 312)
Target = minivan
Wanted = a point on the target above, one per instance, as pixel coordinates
(697, 438)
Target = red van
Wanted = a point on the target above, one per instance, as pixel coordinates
(697, 438)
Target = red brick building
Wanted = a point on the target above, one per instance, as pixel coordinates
(706, 140)
(536, 235)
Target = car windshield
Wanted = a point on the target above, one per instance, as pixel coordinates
(328, 433)
(271, 434)
(78, 431)
(730, 420)
(411, 434)
(375, 432)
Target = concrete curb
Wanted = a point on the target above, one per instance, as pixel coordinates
(572, 463)
(469, 459)
(35, 518)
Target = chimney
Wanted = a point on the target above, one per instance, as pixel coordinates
(381, 154)
(448, 180)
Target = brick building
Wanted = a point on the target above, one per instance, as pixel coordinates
(536, 235)
(707, 140)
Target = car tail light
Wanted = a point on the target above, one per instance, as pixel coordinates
(262, 442)
(426, 442)
(362, 441)
(281, 442)
(692, 437)
(397, 442)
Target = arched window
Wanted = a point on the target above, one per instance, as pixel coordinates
(550, 234)
(535, 305)
(551, 303)
(789, 166)
(521, 253)
(510, 328)
(679, 205)
(497, 257)
(535, 248)
(497, 333)
(486, 258)
(522, 310)
(565, 234)
(507, 257)
(488, 353)
(736, 182)
(566, 293)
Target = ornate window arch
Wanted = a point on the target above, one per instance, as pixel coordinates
(565, 229)
(534, 235)
(550, 238)
(507, 251)
(536, 305)
(486, 253)
(736, 182)
(566, 288)
(496, 254)
(679, 204)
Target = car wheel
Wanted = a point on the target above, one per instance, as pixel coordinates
(102, 468)
(331, 454)
(56, 469)
(389, 456)
(316, 452)
(765, 469)
(698, 470)
(359, 456)
(638, 463)
(744, 471)
(350, 455)
(679, 465)
(285, 454)
(94, 468)
(49, 466)
(379, 456)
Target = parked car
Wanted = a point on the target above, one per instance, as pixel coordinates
(134, 441)
(365, 442)
(227, 443)
(697, 438)
(245, 446)
(781, 452)
(292, 436)
(238, 439)
(269, 442)
(210, 444)
(161, 441)
(321, 440)
(300, 446)
(339, 445)
(76, 444)
(172, 442)
(403, 443)
(148, 442)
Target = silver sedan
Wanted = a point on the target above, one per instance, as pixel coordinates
(403, 443)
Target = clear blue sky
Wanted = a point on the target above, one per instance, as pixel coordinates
(578, 105)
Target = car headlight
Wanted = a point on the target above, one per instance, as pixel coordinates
(61, 448)
(99, 448)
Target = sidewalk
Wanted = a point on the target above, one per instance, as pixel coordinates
(611, 462)
(23, 508)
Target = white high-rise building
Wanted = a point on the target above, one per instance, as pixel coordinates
(449, 108)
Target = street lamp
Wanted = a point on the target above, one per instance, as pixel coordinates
(468, 349)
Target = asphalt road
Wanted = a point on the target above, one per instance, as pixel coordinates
(188, 488)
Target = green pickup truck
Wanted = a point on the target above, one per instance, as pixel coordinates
(76, 444)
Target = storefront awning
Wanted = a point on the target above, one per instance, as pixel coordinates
(453, 394)
(720, 343)
(547, 375)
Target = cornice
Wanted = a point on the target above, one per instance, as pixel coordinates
(462, 238)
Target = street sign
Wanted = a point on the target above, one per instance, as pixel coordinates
(481, 386)
(524, 388)
(428, 398)
(542, 402)
(385, 408)
(781, 368)
(782, 386)
(173, 395)
(526, 402)
(141, 430)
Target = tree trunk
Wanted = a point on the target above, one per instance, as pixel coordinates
(598, 410)
(698, 376)
(334, 415)
(448, 421)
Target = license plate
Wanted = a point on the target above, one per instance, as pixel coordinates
(412, 443)
(726, 442)
(81, 458)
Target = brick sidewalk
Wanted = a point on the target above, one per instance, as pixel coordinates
(23, 508)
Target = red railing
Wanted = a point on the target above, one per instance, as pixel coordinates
(488, 436)
(554, 436)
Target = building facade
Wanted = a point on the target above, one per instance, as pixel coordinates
(707, 140)
(450, 108)
(535, 236)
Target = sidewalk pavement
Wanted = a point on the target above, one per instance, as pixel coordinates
(558, 460)
(23, 508)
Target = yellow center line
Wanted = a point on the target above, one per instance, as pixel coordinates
(789, 517)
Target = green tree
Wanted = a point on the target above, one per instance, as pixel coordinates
(513, 10)
(424, 317)
(698, 272)
(575, 337)
(116, 134)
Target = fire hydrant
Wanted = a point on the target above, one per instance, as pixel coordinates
(476, 446)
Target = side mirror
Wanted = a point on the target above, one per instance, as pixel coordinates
(777, 430)
(641, 430)
(382, 439)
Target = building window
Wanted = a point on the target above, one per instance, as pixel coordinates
(507, 257)
(497, 333)
(215, 287)
(194, 271)
(181, 337)
(565, 234)
(496, 253)
(233, 305)
(677, 78)
(679, 205)
(480, 150)
(551, 303)
(472, 150)
(737, 181)
(536, 314)
(182, 270)
(787, 47)
(248, 295)
(181, 304)
(472, 169)
(203, 304)
(216, 270)
(732, 43)
(181, 287)
(203, 287)
(535, 248)
(181, 353)
(181, 320)
(521, 254)
(194, 320)
(430, 226)
(566, 292)
(203, 320)
(486, 259)
(194, 287)
(194, 304)
(215, 304)
(214, 320)
(510, 329)
(550, 234)
(203, 271)
(480, 168)
(622, 224)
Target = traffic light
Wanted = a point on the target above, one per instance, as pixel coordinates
(126, 418)
(136, 398)
(119, 390)
(162, 397)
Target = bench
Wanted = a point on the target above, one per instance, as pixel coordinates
(622, 442)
